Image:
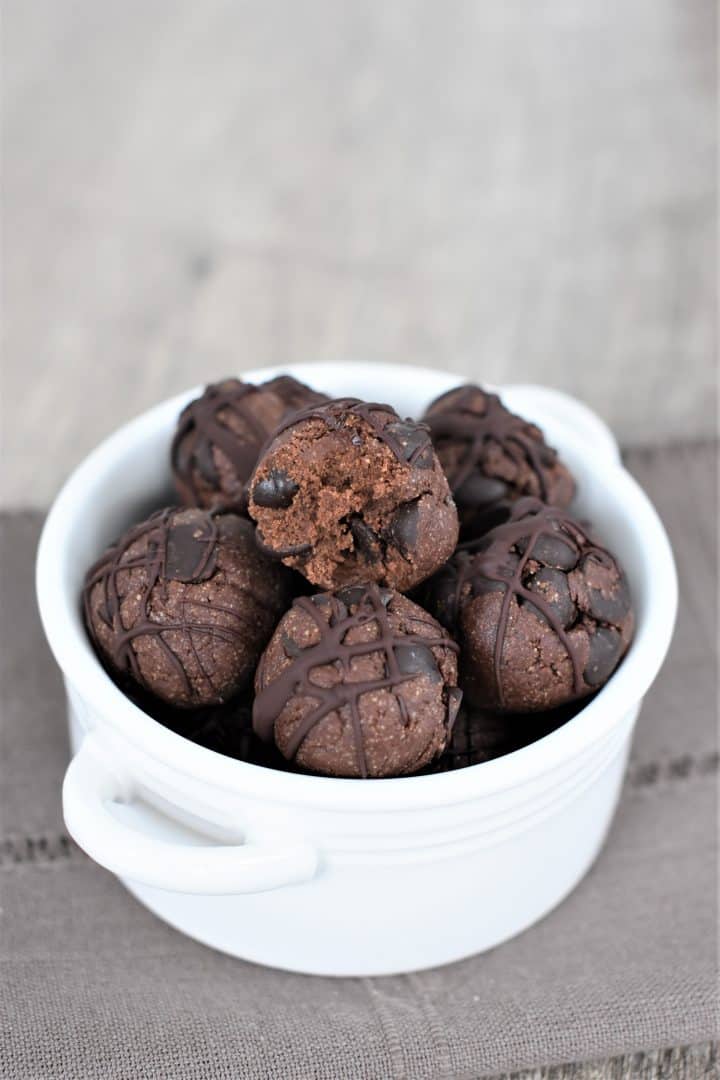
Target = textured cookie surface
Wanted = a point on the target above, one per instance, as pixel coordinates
(543, 613)
(183, 604)
(492, 457)
(360, 682)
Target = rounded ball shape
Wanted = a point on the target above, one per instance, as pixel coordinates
(348, 492)
(182, 605)
(492, 457)
(542, 612)
(220, 434)
(360, 682)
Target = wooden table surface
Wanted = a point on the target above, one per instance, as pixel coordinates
(519, 191)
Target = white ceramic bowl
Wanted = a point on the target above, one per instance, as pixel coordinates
(330, 876)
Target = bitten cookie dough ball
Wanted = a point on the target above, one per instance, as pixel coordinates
(358, 683)
(542, 612)
(220, 434)
(183, 604)
(348, 492)
(492, 457)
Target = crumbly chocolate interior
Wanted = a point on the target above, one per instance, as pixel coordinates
(349, 492)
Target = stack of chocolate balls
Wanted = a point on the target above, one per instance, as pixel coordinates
(350, 593)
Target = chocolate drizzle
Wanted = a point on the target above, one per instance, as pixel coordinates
(174, 551)
(460, 422)
(202, 428)
(409, 441)
(406, 656)
(498, 561)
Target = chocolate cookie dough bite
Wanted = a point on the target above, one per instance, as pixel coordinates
(492, 457)
(360, 682)
(348, 492)
(220, 434)
(542, 612)
(182, 605)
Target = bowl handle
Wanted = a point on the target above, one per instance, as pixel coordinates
(91, 784)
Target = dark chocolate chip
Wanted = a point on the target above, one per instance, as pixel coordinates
(367, 541)
(555, 552)
(613, 606)
(404, 527)
(605, 649)
(552, 551)
(205, 459)
(478, 490)
(276, 491)
(553, 588)
(186, 554)
(417, 660)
